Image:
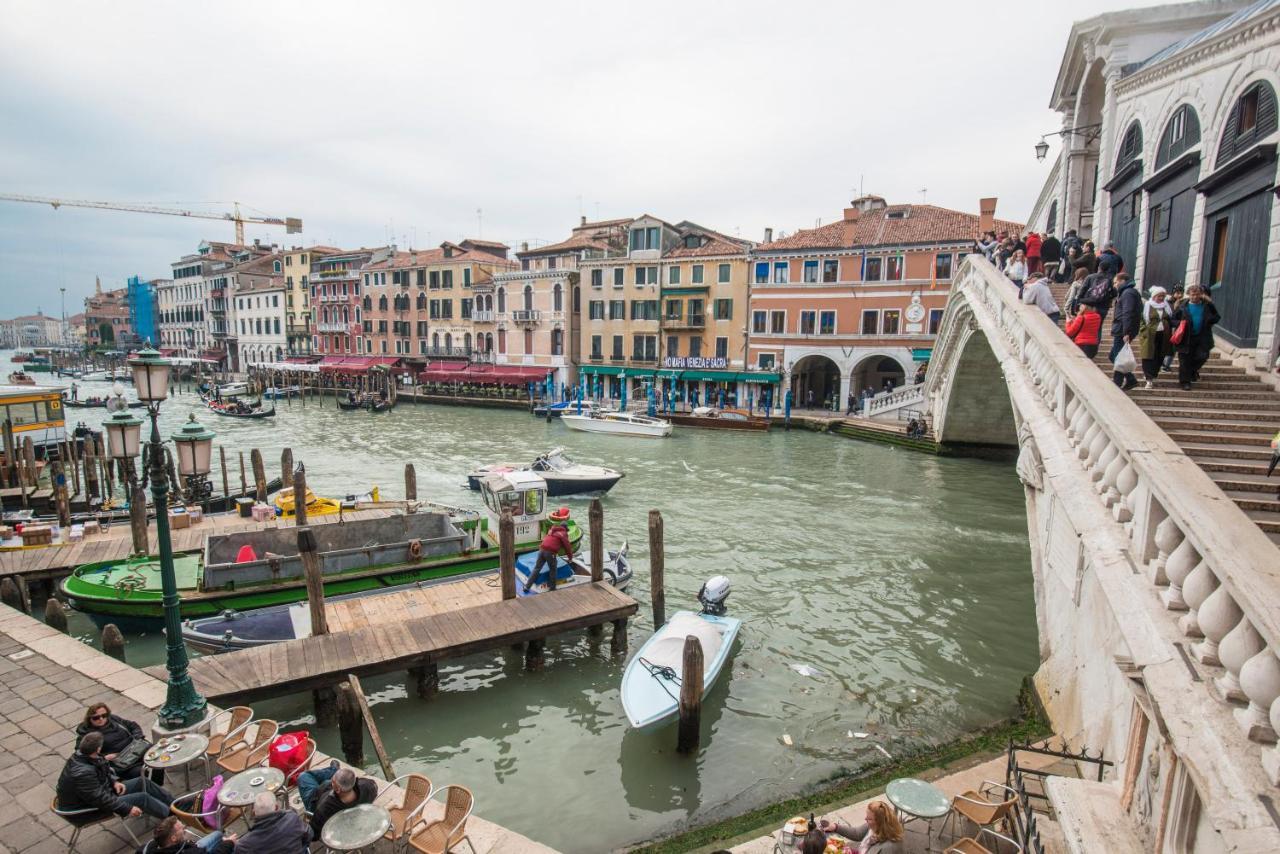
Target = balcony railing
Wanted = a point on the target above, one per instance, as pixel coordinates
(334, 274)
(693, 321)
(482, 316)
(526, 315)
(448, 353)
(333, 327)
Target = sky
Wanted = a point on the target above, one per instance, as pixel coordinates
(415, 123)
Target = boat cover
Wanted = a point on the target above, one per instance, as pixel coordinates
(668, 650)
(525, 562)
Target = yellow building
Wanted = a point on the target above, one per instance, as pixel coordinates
(297, 295)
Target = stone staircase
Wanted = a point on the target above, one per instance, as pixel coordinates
(1225, 423)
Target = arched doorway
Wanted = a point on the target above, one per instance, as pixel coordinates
(873, 371)
(816, 374)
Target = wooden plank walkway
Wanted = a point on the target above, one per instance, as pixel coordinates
(348, 615)
(317, 662)
(60, 559)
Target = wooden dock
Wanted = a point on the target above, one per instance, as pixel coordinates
(323, 661)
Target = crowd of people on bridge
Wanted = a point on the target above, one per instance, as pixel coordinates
(1146, 332)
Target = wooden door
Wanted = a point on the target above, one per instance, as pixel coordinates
(1236, 229)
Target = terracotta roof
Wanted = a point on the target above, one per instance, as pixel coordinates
(263, 265)
(603, 223)
(574, 243)
(918, 224)
(422, 257)
(483, 244)
(714, 246)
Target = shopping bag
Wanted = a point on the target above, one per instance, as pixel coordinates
(1125, 363)
(1179, 333)
(288, 752)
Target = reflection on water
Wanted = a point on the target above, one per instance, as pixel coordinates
(901, 580)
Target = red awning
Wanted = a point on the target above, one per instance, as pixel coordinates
(461, 372)
(215, 355)
(302, 360)
(356, 364)
(443, 372)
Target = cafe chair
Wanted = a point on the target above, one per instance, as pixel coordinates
(291, 779)
(984, 807)
(972, 845)
(440, 836)
(84, 817)
(240, 717)
(417, 791)
(187, 809)
(243, 753)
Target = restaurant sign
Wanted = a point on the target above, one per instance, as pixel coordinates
(700, 362)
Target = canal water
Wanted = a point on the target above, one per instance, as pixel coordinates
(885, 597)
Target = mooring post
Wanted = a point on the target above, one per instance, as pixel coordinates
(300, 488)
(226, 484)
(618, 642)
(59, 477)
(657, 562)
(138, 519)
(383, 759)
(244, 483)
(425, 679)
(286, 466)
(91, 489)
(308, 551)
(350, 732)
(113, 641)
(689, 733)
(507, 555)
(259, 476)
(410, 483)
(595, 518)
(534, 654)
(11, 595)
(10, 453)
(55, 616)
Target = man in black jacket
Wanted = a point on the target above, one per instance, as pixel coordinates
(1125, 325)
(274, 831)
(171, 838)
(1051, 256)
(346, 790)
(88, 782)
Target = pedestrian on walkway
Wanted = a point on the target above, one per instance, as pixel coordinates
(1033, 252)
(1125, 326)
(1016, 269)
(853, 403)
(1196, 340)
(1175, 297)
(1085, 329)
(1087, 258)
(1050, 256)
(1153, 336)
(1074, 291)
(1037, 293)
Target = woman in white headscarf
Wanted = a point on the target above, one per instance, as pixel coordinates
(1153, 335)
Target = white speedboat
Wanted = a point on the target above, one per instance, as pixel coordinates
(562, 474)
(620, 423)
(651, 682)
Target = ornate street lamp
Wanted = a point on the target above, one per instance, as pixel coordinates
(1089, 132)
(183, 706)
(194, 443)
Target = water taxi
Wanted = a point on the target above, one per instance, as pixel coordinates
(35, 412)
(562, 474)
(619, 423)
(21, 378)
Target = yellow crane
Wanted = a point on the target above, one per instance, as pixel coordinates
(292, 225)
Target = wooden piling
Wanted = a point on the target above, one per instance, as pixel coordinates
(410, 483)
(324, 699)
(244, 483)
(55, 616)
(384, 760)
(595, 517)
(11, 595)
(507, 555)
(59, 477)
(113, 641)
(286, 466)
(100, 451)
(657, 563)
(535, 654)
(300, 488)
(10, 454)
(259, 476)
(618, 642)
(350, 732)
(91, 489)
(689, 733)
(226, 486)
(425, 679)
(138, 520)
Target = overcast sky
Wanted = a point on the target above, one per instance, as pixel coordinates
(376, 122)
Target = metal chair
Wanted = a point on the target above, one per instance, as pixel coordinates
(291, 779)
(972, 845)
(199, 821)
(416, 793)
(981, 809)
(441, 835)
(240, 718)
(242, 754)
(83, 817)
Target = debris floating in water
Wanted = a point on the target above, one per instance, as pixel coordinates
(786, 739)
(886, 753)
(806, 670)
(858, 734)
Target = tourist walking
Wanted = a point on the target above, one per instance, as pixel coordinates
(852, 403)
(1016, 269)
(1033, 252)
(1194, 341)
(1125, 326)
(1109, 251)
(1154, 334)
(1099, 290)
(1037, 293)
(987, 245)
(1087, 258)
(1085, 329)
(1074, 291)
(1071, 240)
(1050, 256)
(1175, 297)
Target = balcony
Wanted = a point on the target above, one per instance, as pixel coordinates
(333, 327)
(330, 275)
(448, 353)
(526, 315)
(693, 321)
(482, 316)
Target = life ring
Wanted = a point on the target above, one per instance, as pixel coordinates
(415, 549)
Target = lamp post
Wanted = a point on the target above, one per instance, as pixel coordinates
(1089, 132)
(195, 448)
(183, 706)
(124, 431)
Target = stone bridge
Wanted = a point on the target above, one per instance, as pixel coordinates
(1157, 599)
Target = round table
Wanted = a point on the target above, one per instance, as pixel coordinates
(918, 799)
(356, 827)
(241, 789)
(176, 751)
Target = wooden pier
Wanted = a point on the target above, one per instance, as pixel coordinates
(325, 660)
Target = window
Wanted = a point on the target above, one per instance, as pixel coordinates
(674, 309)
(695, 347)
(1178, 125)
(893, 268)
(422, 278)
(889, 325)
(617, 309)
(466, 277)
(644, 309)
(871, 269)
(696, 312)
(435, 280)
(275, 322)
(830, 270)
(935, 320)
(617, 347)
(724, 309)
(777, 322)
(722, 348)
(422, 329)
(435, 309)
(597, 278)
(557, 298)
(645, 238)
(597, 342)
(762, 272)
(595, 309)
(808, 320)
(759, 319)
(1247, 111)
(446, 279)
(781, 272)
(673, 347)
(617, 277)
(673, 275)
(810, 271)
(446, 308)
(870, 321)
(1159, 225)
(827, 323)
(382, 327)
(766, 361)
(942, 266)
(696, 275)
(466, 309)
(644, 348)
(557, 342)
(1219, 258)
(502, 301)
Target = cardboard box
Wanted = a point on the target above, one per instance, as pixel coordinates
(37, 535)
(179, 520)
(195, 514)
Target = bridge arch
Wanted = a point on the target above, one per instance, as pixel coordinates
(818, 374)
(873, 369)
(970, 403)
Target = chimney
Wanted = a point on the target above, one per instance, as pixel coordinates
(768, 235)
(584, 219)
(986, 215)
(524, 246)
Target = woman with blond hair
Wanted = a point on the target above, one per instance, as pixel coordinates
(881, 834)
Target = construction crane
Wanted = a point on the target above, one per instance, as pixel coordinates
(292, 225)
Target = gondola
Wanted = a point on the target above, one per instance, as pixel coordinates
(257, 413)
(370, 404)
(95, 403)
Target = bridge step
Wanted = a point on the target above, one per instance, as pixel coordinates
(1171, 422)
(1249, 482)
(1268, 415)
(1171, 392)
(1198, 435)
(1227, 467)
(1250, 501)
(1204, 454)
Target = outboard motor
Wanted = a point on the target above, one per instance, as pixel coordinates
(712, 595)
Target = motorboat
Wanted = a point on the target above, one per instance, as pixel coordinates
(562, 474)
(319, 505)
(229, 390)
(651, 681)
(274, 393)
(234, 629)
(21, 378)
(239, 409)
(619, 423)
(724, 419)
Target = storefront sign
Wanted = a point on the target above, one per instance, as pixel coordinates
(700, 362)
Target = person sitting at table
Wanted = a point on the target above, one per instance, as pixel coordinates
(274, 831)
(346, 790)
(881, 834)
(171, 838)
(88, 781)
(117, 735)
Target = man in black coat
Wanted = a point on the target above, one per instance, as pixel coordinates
(274, 831)
(1125, 325)
(1050, 255)
(89, 782)
(346, 790)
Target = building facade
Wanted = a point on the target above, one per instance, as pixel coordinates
(258, 312)
(106, 318)
(856, 304)
(1174, 154)
(299, 333)
(34, 330)
(143, 314)
(195, 311)
(335, 301)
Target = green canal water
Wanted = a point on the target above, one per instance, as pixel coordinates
(882, 592)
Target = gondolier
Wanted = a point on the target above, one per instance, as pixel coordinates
(556, 540)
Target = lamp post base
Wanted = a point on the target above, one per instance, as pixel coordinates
(202, 726)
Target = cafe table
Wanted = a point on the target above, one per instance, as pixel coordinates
(240, 790)
(917, 799)
(176, 751)
(355, 827)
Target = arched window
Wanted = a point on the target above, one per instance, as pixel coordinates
(528, 297)
(557, 298)
(1252, 118)
(368, 303)
(466, 342)
(448, 340)
(1130, 146)
(557, 342)
(435, 340)
(502, 300)
(422, 302)
(382, 303)
(488, 342)
(1181, 134)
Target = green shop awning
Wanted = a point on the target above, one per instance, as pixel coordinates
(760, 377)
(603, 370)
(713, 376)
(694, 290)
(922, 354)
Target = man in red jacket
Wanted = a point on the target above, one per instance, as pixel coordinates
(556, 540)
(1033, 253)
